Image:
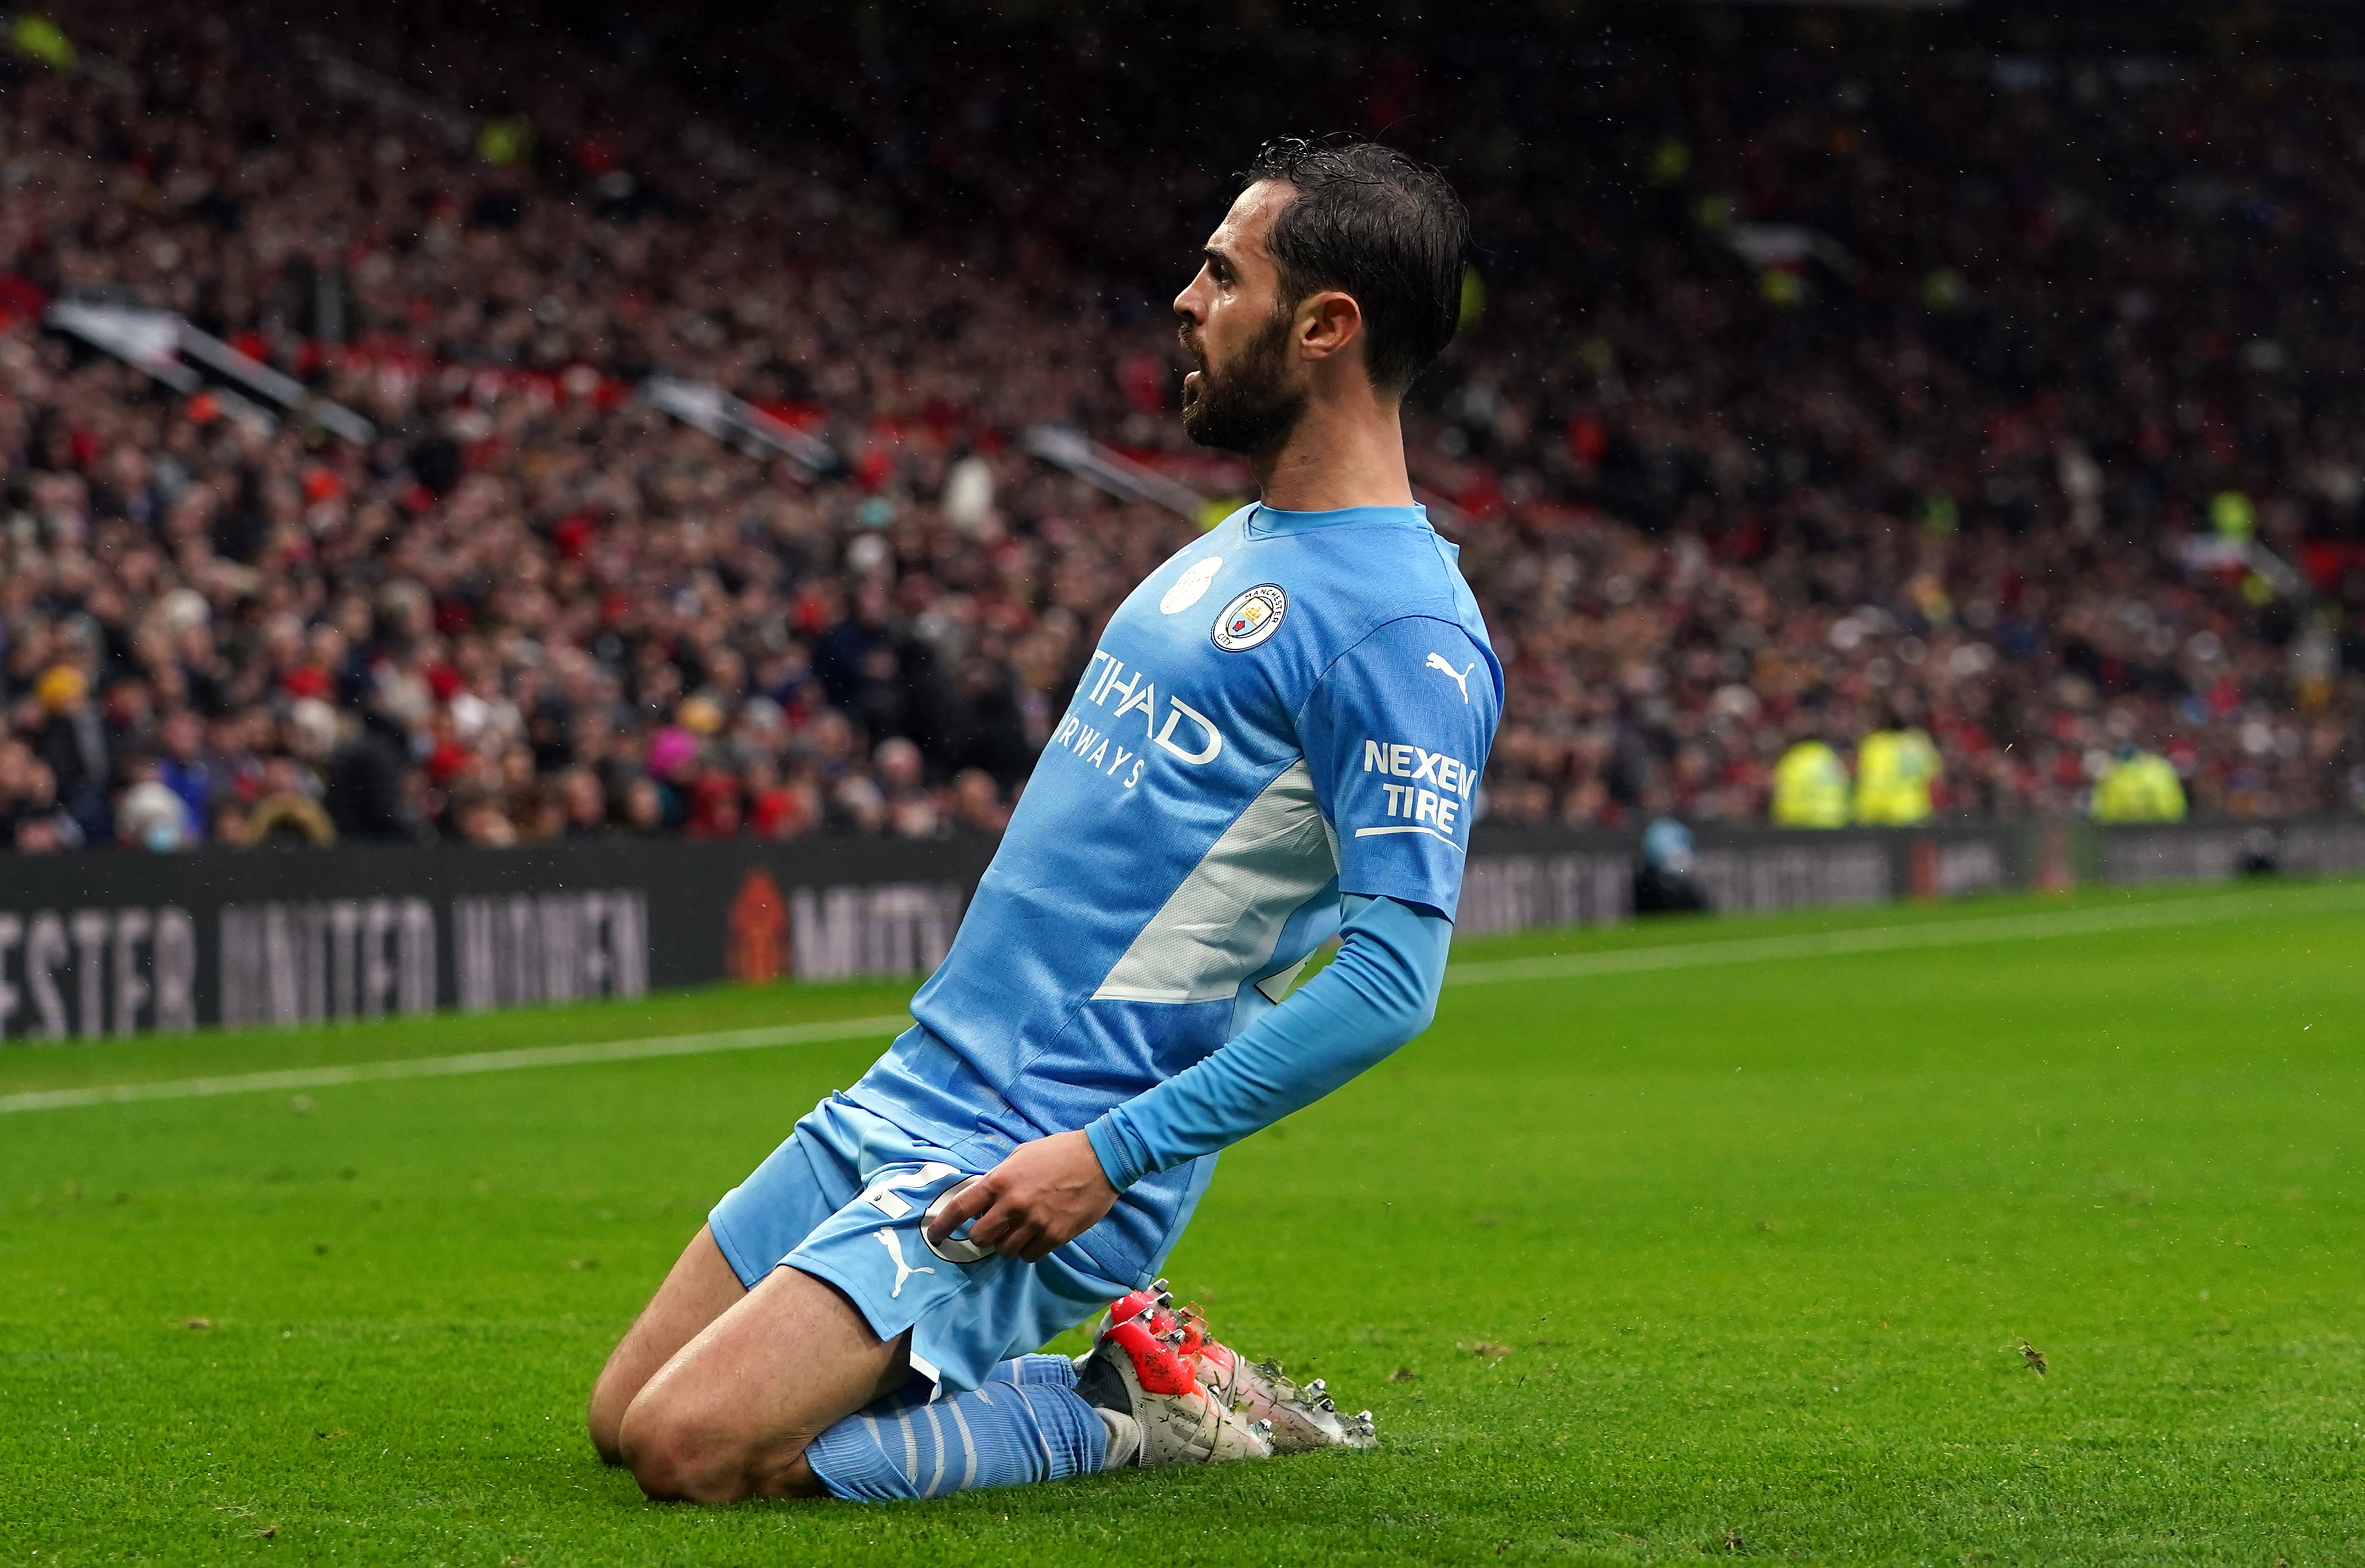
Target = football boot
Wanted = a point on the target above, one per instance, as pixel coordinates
(1299, 1417)
(1134, 1371)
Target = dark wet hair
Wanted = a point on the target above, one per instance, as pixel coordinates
(1371, 222)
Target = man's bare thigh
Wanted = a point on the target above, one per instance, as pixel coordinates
(730, 1415)
(700, 1287)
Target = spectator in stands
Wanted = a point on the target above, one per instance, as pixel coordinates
(151, 816)
(30, 817)
(644, 808)
(373, 785)
(715, 807)
(584, 801)
(182, 766)
(911, 809)
(481, 817)
(778, 808)
(74, 745)
(1698, 499)
(977, 804)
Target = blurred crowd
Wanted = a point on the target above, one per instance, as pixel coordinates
(2001, 402)
(2012, 401)
(533, 606)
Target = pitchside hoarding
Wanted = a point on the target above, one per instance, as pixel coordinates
(123, 943)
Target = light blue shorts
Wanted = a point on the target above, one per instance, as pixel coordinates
(842, 1200)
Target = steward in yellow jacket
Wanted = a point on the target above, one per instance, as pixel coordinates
(1811, 788)
(2140, 787)
(1894, 770)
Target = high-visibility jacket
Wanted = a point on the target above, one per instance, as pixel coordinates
(1894, 770)
(2142, 789)
(1811, 788)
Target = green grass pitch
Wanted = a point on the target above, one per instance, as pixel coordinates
(1636, 1259)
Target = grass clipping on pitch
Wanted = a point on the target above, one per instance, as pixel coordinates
(2044, 1244)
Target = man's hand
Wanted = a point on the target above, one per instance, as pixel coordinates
(1044, 1196)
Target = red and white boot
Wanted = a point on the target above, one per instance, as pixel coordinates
(1135, 1369)
(1297, 1418)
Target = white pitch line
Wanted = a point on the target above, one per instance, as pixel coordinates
(457, 1067)
(1575, 966)
(1882, 939)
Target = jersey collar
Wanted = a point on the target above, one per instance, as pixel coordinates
(1264, 520)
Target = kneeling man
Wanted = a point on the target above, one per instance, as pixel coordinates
(1279, 740)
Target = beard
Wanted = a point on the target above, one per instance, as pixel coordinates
(1250, 407)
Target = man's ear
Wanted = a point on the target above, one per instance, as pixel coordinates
(1328, 323)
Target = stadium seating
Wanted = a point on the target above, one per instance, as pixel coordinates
(1796, 418)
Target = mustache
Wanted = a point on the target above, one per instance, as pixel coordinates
(1190, 341)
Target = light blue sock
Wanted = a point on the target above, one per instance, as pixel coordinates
(1035, 1369)
(1004, 1434)
(1038, 1368)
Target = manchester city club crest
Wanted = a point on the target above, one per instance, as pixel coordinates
(1251, 618)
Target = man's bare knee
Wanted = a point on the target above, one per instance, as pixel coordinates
(700, 1287)
(604, 1417)
(729, 1415)
(678, 1457)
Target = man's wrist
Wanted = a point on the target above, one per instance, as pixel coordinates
(1111, 1148)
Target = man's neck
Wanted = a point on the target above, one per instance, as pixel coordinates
(1337, 457)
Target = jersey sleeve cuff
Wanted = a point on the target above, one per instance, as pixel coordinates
(1115, 1151)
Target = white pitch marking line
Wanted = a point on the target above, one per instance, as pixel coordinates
(461, 1066)
(1880, 939)
(1576, 966)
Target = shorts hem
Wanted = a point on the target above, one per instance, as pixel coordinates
(853, 1290)
(732, 1253)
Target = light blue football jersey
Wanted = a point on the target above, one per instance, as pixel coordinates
(1297, 705)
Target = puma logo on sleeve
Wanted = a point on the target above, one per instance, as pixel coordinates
(1461, 677)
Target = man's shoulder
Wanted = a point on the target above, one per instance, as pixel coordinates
(1362, 579)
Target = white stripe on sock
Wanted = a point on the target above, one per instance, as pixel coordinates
(937, 1434)
(910, 1449)
(968, 1445)
(871, 1427)
(1050, 1465)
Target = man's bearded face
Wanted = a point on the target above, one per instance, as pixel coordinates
(1246, 406)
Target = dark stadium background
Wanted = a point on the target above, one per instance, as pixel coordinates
(679, 415)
